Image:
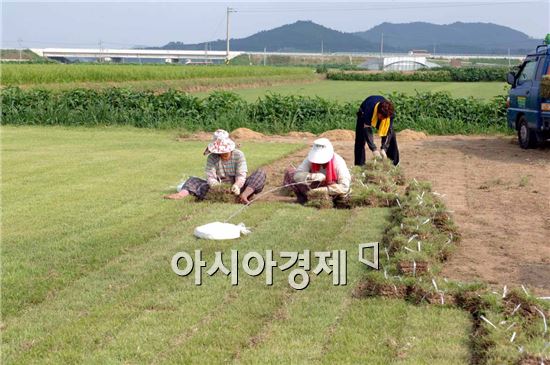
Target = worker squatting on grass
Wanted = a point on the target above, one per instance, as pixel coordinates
(323, 171)
(225, 164)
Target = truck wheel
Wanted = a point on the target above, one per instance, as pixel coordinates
(527, 137)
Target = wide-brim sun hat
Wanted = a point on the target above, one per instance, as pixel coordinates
(220, 133)
(221, 143)
(321, 152)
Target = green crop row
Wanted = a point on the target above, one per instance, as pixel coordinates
(474, 74)
(468, 74)
(19, 74)
(327, 67)
(434, 113)
(389, 76)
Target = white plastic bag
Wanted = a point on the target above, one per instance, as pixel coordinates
(221, 231)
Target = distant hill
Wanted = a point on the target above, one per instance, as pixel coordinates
(306, 36)
(452, 38)
(302, 36)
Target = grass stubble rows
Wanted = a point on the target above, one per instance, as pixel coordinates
(98, 287)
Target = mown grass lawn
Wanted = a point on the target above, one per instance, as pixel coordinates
(359, 90)
(86, 249)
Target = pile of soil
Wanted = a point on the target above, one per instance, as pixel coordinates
(245, 133)
(339, 135)
(410, 135)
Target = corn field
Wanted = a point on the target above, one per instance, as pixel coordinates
(434, 113)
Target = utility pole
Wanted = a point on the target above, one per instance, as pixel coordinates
(100, 49)
(322, 52)
(434, 51)
(19, 40)
(229, 10)
(265, 55)
(509, 65)
(382, 45)
(382, 51)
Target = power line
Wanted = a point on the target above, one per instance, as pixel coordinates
(372, 7)
(68, 43)
(315, 7)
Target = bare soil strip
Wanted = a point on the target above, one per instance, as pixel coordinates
(500, 195)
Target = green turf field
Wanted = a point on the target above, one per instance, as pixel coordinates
(358, 90)
(24, 74)
(86, 247)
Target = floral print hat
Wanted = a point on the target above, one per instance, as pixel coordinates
(221, 143)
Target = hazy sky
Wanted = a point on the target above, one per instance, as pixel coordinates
(126, 24)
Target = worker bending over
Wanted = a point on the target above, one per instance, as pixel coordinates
(375, 112)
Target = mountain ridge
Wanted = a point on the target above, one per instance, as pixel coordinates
(307, 36)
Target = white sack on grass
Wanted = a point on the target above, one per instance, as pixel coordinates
(221, 231)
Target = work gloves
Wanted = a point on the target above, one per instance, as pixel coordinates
(319, 177)
(380, 154)
(235, 189)
(213, 182)
(334, 189)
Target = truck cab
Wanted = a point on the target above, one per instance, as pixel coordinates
(528, 109)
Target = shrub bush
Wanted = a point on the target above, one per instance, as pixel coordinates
(440, 74)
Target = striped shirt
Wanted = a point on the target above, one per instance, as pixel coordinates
(233, 169)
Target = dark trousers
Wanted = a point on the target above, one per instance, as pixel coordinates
(392, 150)
(300, 190)
(365, 135)
(199, 187)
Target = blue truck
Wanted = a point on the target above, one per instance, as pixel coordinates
(528, 100)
